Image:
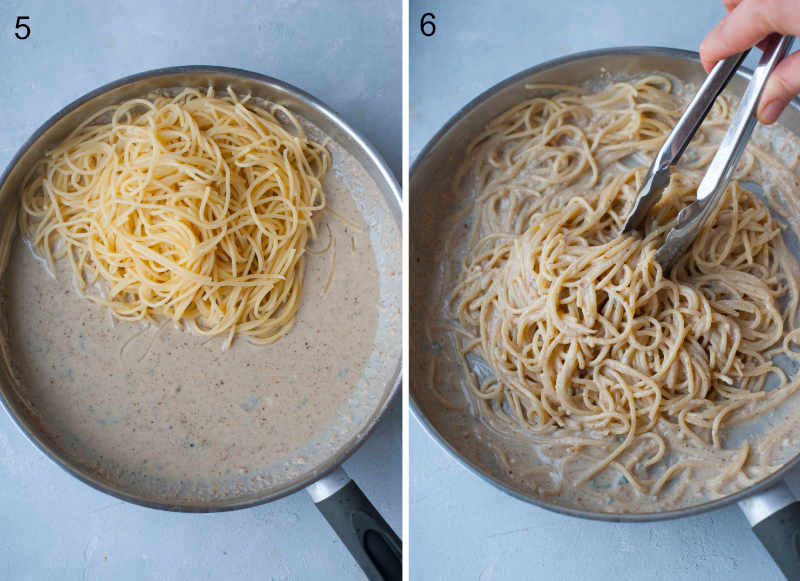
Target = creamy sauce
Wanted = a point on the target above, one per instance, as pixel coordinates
(440, 389)
(162, 414)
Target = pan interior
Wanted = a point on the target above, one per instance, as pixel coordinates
(163, 417)
(434, 197)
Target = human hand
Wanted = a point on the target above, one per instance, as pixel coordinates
(747, 23)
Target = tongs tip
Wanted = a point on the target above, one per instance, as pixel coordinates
(654, 184)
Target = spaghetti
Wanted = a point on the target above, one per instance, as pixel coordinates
(569, 335)
(194, 207)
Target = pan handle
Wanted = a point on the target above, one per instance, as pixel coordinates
(775, 517)
(371, 541)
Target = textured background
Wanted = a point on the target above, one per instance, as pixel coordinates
(461, 526)
(346, 54)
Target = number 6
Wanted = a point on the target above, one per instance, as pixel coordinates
(428, 27)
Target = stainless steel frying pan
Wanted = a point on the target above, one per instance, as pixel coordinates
(372, 542)
(769, 506)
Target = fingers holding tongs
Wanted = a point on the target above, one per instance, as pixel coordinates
(712, 187)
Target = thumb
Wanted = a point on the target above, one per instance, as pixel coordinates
(782, 86)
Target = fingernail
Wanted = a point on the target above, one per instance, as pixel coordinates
(770, 112)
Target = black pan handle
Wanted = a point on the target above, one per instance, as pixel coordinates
(775, 517)
(371, 541)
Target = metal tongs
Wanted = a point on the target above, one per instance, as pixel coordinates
(711, 188)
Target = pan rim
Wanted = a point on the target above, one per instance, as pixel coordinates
(394, 203)
(430, 428)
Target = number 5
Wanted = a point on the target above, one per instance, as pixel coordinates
(20, 25)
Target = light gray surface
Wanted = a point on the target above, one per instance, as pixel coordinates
(460, 526)
(54, 527)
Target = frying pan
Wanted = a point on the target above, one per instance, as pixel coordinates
(365, 533)
(769, 505)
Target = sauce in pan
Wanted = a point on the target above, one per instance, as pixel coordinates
(164, 414)
(471, 358)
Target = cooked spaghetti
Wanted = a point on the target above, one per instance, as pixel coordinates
(194, 207)
(571, 337)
